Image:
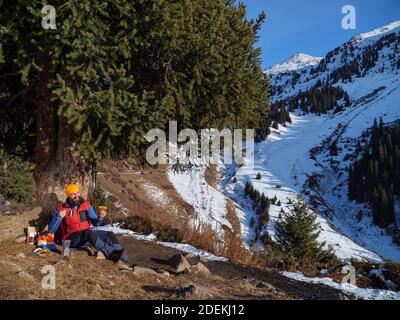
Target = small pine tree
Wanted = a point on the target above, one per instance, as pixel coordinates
(297, 232)
(252, 192)
(247, 188)
(258, 176)
(251, 223)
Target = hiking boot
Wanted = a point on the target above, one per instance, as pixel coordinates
(116, 255)
(92, 252)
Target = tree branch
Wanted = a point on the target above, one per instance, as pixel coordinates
(9, 74)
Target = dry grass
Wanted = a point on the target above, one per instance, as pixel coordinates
(126, 181)
(211, 175)
(203, 237)
(83, 277)
(234, 249)
(12, 226)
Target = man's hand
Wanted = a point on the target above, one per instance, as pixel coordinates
(62, 214)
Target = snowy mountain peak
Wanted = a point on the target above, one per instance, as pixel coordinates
(367, 55)
(295, 62)
(302, 58)
(391, 27)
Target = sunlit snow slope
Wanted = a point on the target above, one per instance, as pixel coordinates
(284, 160)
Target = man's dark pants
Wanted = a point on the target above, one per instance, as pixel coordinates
(103, 241)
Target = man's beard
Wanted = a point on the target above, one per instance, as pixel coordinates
(75, 200)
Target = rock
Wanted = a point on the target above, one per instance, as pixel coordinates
(261, 284)
(179, 262)
(193, 259)
(343, 297)
(348, 296)
(265, 285)
(25, 275)
(331, 295)
(21, 255)
(10, 265)
(111, 283)
(192, 256)
(186, 291)
(20, 239)
(123, 266)
(200, 268)
(163, 272)
(144, 271)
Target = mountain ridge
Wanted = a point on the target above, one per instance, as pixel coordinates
(294, 62)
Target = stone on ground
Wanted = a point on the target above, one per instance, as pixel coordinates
(179, 262)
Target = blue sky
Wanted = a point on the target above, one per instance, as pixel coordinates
(314, 26)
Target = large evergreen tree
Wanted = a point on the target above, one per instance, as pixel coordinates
(112, 70)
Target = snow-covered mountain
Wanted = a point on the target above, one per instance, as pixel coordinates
(295, 62)
(376, 33)
(370, 55)
(295, 159)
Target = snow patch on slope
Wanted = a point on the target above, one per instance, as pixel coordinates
(118, 205)
(160, 197)
(378, 32)
(361, 293)
(208, 202)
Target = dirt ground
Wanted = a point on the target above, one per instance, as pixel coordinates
(84, 277)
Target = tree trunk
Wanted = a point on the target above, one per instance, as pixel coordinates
(57, 160)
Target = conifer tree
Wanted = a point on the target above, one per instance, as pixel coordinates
(112, 70)
(297, 232)
(374, 177)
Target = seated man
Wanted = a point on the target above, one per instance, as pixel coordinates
(75, 218)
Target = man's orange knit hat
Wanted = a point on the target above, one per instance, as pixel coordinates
(70, 189)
